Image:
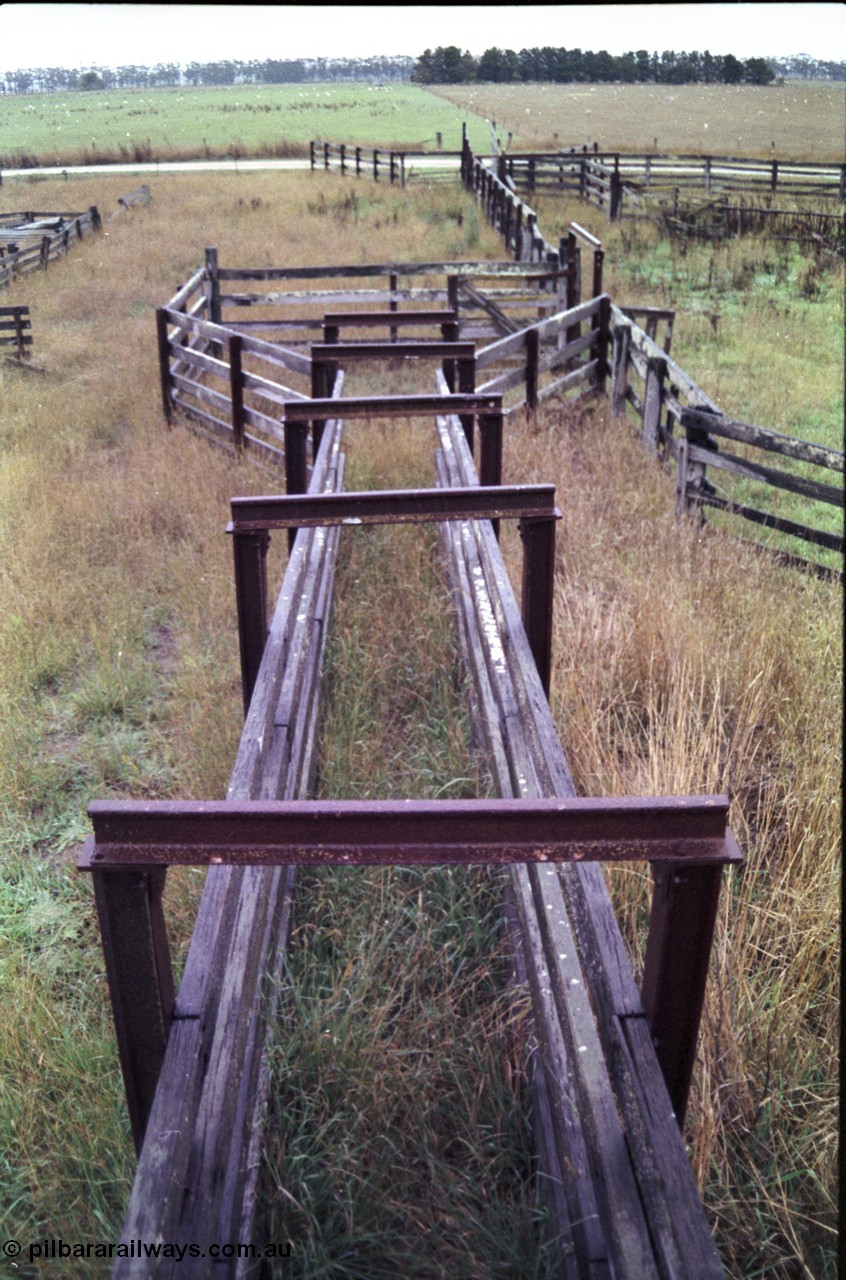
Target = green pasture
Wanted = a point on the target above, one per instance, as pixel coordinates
(236, 120)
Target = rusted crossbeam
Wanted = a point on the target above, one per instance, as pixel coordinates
(409, 832)
(253, 518)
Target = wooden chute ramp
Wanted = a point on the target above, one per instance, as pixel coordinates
(612, 1064)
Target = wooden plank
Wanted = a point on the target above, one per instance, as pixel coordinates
(768, 475)
(764, 438)
(196, 1174)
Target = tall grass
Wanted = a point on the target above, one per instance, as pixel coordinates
(118, 645)
(685, 664)
(399, 1141)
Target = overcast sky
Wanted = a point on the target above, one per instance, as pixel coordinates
(78, 35)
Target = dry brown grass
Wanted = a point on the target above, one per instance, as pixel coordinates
(685, 663)
(797, 121)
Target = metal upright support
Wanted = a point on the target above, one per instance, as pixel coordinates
(250, 556)
(537, 597)
(296, 466)
(467, 386)
(681, 929)
(140, 978)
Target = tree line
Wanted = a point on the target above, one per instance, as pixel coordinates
(449, 65)
(175, 74)
(444, 65)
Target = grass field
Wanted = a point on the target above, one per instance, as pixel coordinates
(237, 121)
(682, 663)
(797, 121)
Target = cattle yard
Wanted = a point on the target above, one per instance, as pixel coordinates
(611, 1058)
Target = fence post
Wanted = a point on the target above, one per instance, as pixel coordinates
(236, 391)
(326, 147)
(375, 164)
(706, 174)
(164, 364)
(532, 357)
(45, 252)
(620, 378)
(600, 351)
(311, 155)
(598, 261)
(653, 400)
(343, 159)
(212, 287)
(682, 504)
(615, 197)
(694, 478)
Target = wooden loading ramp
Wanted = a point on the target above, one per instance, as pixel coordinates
(612, 1065)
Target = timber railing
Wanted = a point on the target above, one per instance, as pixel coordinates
(31, 241)
(229, 378)
(680, 422)
(608, 1107)
(16, 330)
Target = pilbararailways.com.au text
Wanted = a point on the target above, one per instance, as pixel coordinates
(48, 1249)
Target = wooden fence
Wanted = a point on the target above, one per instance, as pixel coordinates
(680, 422)
(16, 330)
(224, 374)
(649, 173)
(31, 241)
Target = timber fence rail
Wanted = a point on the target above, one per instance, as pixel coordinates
(31, 241)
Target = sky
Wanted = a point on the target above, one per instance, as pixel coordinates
(110, 35)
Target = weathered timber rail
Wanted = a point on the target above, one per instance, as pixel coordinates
(16, 330)
(608, 1145)
(31, 241)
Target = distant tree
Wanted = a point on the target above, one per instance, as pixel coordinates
(757, 71)
(90, 80)
(732, 71)
(444, 65)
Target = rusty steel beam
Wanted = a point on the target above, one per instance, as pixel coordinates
(393, 506)
(422, 348)
(392, 406)
(360, 832)
(371, 319)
